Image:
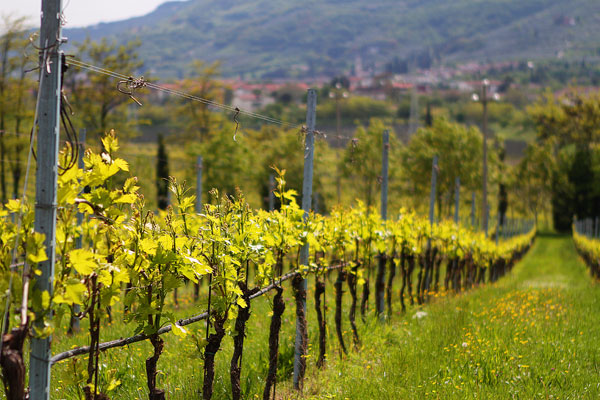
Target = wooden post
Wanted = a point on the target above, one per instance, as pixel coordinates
(300, 286)
(46, 186)
(199, 184)
(380, 281)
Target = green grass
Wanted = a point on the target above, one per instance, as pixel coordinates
(530, 335)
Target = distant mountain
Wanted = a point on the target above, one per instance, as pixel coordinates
(273, 38)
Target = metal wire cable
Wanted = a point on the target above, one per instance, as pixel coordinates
(236, 110)
(184, 95)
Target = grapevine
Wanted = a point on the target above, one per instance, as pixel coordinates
(125, 244)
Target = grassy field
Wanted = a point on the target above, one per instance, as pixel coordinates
(533, 334)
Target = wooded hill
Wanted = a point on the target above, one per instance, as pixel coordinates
(273, 38)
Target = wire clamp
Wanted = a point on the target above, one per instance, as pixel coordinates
(130, 85)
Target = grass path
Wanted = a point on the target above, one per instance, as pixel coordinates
(534, 334)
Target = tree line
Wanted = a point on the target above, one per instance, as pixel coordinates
(559, 164)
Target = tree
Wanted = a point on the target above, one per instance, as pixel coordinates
(196, 119)
(99, 106)
(428, 116)
(532, 179)
(459, 155)
(273, 146)
(502, 183)
(162, 175)
(362, 160)
(570, 126)
(225, 161)
(581, 177)
(12, 98)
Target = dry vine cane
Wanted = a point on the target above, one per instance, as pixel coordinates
(341, 276)
(238, 339)
(275, 328)
(352, 284)
(390, 281)
(11, 351)
(94, 314)
(321, 311)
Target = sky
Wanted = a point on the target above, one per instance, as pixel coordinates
(81, 12)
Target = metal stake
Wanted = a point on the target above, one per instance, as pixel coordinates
(379, 284)
(46, 186)
(309, 151)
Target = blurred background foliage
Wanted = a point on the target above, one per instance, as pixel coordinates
(552, 178)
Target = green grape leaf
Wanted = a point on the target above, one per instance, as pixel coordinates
(74, 291)
(83, 261)
(178, 330)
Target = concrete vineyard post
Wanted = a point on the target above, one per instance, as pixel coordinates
(380, 285)
(484, 204)
(434, 171)
(309, 152)
(46, 184)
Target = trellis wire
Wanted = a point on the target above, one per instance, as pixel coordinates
(182, 322)
(233, 109)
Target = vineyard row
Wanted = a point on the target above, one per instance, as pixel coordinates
(122, 252)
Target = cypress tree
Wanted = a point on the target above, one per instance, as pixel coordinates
(428, 116)
(162, 175)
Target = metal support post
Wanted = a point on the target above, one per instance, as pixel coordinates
(301, 323)
(434, 171)
(484, 203)
(46, 186)
(380, 281)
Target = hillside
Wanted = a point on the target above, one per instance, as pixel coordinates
(272, 38)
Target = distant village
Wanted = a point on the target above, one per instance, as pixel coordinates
(377, 86)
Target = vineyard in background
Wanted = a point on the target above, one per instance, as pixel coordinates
(586, 235)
